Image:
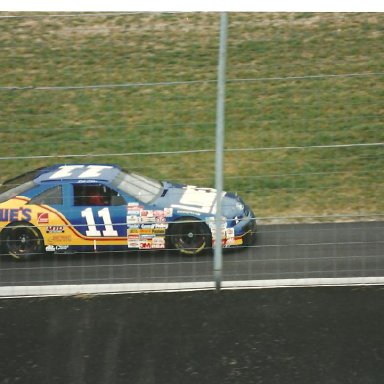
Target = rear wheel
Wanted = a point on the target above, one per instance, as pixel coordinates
(190, 236)
(22, 241)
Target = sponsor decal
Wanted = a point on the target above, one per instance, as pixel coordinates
(134, 205)
(229, 242)
(147, 226)
(137, 214)
(160, 216)
(133, 212)
(145, 244)
(133, 243)
(134, 209)
(15, 214)
(54, 229)
(54, 248)
(147, 216)
(226, 233)
(132, 219)
(168, 212)
(42, 218)
(58, 238)
(161, 226)
(87, 181)
(182, 212)
(223, 233)
(158, 242)
(146, 231)
(133, 237)
(230, 232)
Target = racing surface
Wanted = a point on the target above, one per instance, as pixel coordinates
(290, 251)
(322, 335)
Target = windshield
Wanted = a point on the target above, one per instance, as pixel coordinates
(139, 187)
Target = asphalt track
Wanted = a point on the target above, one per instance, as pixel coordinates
(282, 252)
(322, 335)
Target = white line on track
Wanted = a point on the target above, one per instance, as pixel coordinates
(97, 289)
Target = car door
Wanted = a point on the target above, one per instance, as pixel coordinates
(98, 212)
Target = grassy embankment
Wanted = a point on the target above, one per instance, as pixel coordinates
(283, 103)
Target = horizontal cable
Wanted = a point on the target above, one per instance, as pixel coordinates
(104, 86)
(304, 147)
(106, 154)
(192, 151)
(187, 82)
(79, 14)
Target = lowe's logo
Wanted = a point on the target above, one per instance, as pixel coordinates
(15, 214)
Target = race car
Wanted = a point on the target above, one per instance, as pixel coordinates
(100, 207)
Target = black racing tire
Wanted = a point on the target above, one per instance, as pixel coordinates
(250, 238)
(190, 236)
(22, 241)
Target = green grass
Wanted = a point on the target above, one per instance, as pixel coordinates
(284, 103)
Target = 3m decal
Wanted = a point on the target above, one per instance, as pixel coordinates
(146, 244)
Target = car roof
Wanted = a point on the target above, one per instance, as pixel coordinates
(78, 172)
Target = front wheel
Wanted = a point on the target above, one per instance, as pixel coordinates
(22, 241)
(190, 236)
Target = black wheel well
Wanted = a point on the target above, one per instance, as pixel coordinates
(186, 219)
(21, 223)
(20, 255)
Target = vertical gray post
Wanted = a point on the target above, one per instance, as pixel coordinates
(220, 113)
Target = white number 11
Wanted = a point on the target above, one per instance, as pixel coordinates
(105, 215)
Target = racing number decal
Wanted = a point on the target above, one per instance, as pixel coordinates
(105, 215)
(85, 171)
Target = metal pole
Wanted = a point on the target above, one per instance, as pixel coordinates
(220, 112)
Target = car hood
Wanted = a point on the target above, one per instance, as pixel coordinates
(189, 199)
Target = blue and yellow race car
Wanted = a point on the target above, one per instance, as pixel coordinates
(96, 207)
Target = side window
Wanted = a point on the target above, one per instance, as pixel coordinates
(96, 195)
(51, 196)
